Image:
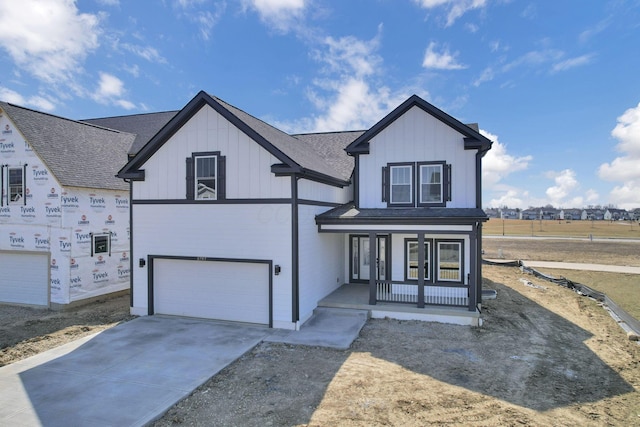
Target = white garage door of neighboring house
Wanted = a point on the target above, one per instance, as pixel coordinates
(234, 291)
(24, 278)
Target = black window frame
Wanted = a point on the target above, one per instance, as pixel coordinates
(445, 184)
(94, 240)
(436, 263)
(191, 176)
(6, 189)
(412, 182)
(428, 259)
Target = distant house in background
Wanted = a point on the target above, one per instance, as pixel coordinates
(571, 214)
(64, 216)
(612, 214)
(531, 214)
(592, 215)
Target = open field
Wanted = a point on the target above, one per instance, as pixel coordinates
(624, 289)
(551, 228)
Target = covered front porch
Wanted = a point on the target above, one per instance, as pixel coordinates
(356, 296)
(418, 263)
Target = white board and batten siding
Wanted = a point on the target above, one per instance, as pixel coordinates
(417, 136)
(312, 190)
(249, 232)
(25, 278)
(248, 165)
(321, 261)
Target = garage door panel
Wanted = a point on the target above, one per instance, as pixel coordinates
(234, 291)
(24, 278)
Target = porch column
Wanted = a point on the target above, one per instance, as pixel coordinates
(373, 297)
(473, 275)
(421, 256)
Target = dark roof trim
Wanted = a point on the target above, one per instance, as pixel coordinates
(180, 119)
(285, 170)
(360, 145)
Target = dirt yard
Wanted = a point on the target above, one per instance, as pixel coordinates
(27, 331)
(545, 356)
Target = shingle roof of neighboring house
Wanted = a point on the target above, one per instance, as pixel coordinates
(144, 126)
(78, 154)
(294, 153)
(348, 213)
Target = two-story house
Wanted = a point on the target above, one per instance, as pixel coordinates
(236, 220)
(64, 216)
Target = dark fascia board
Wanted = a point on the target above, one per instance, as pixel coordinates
(358, 147)
(474, 144)
(286, 170)
(180, 119)
(401, 221)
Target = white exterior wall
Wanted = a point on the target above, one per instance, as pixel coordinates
(58, 220)
(248, 165)
(221, 231)
(321, 260)
(311, 190)
(417, 136)
(397, 252)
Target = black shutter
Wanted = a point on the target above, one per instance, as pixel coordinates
(24, 185)
(448, 187)
(222, 177)
(385, 186)
(190, 179)
(2, 186)
(92, 243)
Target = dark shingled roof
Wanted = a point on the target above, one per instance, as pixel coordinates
(311, 159)
(144, 126)
(78, 154)
(331, 145)
(348, 214)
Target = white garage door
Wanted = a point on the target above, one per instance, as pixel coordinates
(24, 278)
(234, 291)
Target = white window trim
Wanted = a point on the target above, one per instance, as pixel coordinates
(460, 260)
(391, 184)
(196, 178)
(420, 183)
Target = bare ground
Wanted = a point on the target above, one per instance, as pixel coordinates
(545, 356)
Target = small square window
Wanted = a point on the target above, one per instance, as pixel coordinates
(101, 244)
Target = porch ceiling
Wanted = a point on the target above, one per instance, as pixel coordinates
(349, 216)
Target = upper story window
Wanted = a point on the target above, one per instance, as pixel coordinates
(422, 184)
(206, 176)
(401, 184)
(14, 185)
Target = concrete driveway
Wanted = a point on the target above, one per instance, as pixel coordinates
(131, 374)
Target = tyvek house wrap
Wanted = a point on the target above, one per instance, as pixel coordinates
(60, 220)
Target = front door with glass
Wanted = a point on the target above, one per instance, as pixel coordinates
(361, 258)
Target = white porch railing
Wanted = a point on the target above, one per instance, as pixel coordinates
(402, 292)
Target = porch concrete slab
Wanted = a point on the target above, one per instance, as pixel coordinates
(328, 327)
(128, 375)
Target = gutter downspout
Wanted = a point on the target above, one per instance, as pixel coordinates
(295, 258)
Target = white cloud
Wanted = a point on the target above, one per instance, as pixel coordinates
(572, 63)
(282, 15)
(48, 39)
(626, 168)
(109, 2)
(39, 102)
(149, 53)
(455, 8)
(535, 58)
(497, 164)
(487, 75)
(111, 90)
(204, 19)
(565, 183)
(442, 60)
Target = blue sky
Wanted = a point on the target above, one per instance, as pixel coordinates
(556, 84)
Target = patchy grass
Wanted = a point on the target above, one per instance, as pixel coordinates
(623, 289)
(550, 228)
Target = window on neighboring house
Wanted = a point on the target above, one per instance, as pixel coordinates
(206, 176)
(412, 260)
(101, 244)
(449, 264)
(13, 185)
(401, 185)
(16, 185)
